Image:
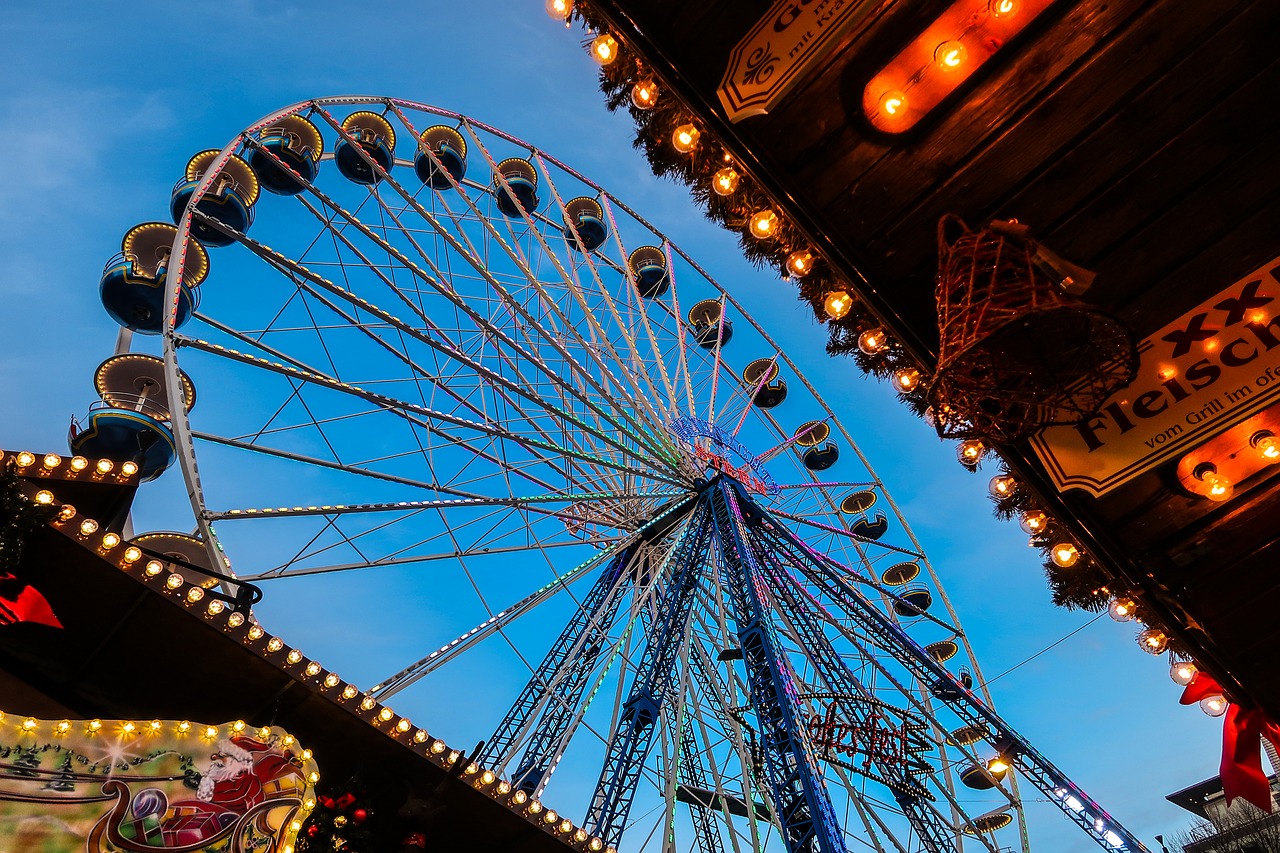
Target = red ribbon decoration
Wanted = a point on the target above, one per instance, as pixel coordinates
(29, 606)
(1242, 732)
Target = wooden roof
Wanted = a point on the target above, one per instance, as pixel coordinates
(1137, 138)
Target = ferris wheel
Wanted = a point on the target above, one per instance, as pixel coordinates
(429, 352)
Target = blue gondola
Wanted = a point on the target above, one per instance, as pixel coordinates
(133, 282)
(648, 266)
(229, 199)
(708, 325)
(371, 136)
(586, 216)
(131, 421)
(297, 145)
(522, 179)
(761, 378)
(450, 150)
(817, 453)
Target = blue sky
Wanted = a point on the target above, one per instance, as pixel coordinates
(102, 105)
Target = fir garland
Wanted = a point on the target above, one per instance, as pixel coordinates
(19, 518)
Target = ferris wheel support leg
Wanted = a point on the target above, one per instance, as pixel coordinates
(558, 683)
(632, 740)
(1078, 806)
(802, 805)
(705, 828)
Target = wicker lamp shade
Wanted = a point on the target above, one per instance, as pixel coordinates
(1018, 352)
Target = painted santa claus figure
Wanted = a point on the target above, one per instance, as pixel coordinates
(242, 774)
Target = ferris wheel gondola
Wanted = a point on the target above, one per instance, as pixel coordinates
(458, 370)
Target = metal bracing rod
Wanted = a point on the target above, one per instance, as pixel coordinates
(294, 268)
(633, 735)
(889, 636)
(848, 534)
(472, 257)
(705, 828)
(803, 807)
(405, 408)
(568, 664)
(934, 832)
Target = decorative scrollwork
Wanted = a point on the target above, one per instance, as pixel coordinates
(760, 65)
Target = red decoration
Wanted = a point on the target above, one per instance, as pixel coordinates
(1242, 732)
(29, 606)
(358, 816)
(344, 802)
(415, 839)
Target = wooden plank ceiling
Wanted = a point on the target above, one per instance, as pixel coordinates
(1137, 138)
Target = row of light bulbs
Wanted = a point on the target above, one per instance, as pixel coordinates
(50, 463)
(108, 544)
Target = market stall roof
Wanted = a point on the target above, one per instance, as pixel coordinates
(1134, 138)
(132, 646)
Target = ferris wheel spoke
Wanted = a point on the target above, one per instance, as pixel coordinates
(469, 254)
(848, 534)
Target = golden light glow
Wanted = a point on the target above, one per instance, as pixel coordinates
(110, 540)
(385, 715)
(970, 451)
(79, 463)
(105, 466)
(173, 581)
(998, 766)
(52, 460)
(1003, 485)
(275, 644)
(313, 668)
(950, 55)
(685, 138)
(215, 607)
(132, 554)
(764, 224)
(604, 48)
(349, 692)
(1182, 672)
(893, 104)
(907, 380)
(129, 469)
(44, 496)
(1263, 442)
(195, 594)
(644, 94)
(29, 724)
(154, 567)
(1065, 555)
(63, 727)
(210, 732)
(255, 632)
(88, 527)
(294, 656)
(67, 513)
(1004, 8)
(873, 341)
(1122, 609)
(560, 9)
(837, 304)
(26, 459)
(1214, 706)
(1219, 488)
(725, 181)
(1154, 641)
(800, 263)
(1034, 521)
(235, 620)
(331, 680)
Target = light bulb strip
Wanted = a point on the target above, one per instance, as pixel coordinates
(52, 466)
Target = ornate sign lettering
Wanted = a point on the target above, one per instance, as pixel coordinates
(1206, 371)
(751, 473)
(771, 58)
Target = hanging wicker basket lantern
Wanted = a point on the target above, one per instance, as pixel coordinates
(1018, 351)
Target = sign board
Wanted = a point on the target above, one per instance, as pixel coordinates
(751, 473)
(1206, 371)
(770, 59)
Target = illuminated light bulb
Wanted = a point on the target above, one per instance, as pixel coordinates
(95, 725)
(551, 816)
(110, 540)
(1215, 705)
(67, 512)
(519, 797)
(420, 736)
(1122, 609)
(644, 95)
(215, 607)
(235, 620)
(559, 9)
(800, 263)
(604, 48)
(255, 632)
(580, 836)
(1065, 555)
(104, 466)
(534, 807)
(950, 55)
(503, 787)
(25, 459)
(487, 777)
(79, 463)
(63, 727)
(367, 703)
(837, 304)
(453, 756)
(907, 380)
(313, 777)
(52, 460)
(195, 594)
(763, 225)
(1265, 444)
(132, 554)
(970, 451)
(1182, 672)
(129, 469)
(29, 724)
(155, 726)
(596, 844)
(873, 341)
(308, 805)
(998, 766)
(1153, 641)
(1034, 521)
(294, 656)
(1004, 8)
(349, 692)
(566, 826)
(88, 527)
(1003, 485)
(403, 726)
(331, 680)
(438, 746)
(385, 715)
(1218, 487)
(173, 581)
(275, 644)
(725, 181)
(239, 726)
(685, 138)
(893, 104)
(154, 567)
(313, 668)
(210, 732)
(44, 497)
